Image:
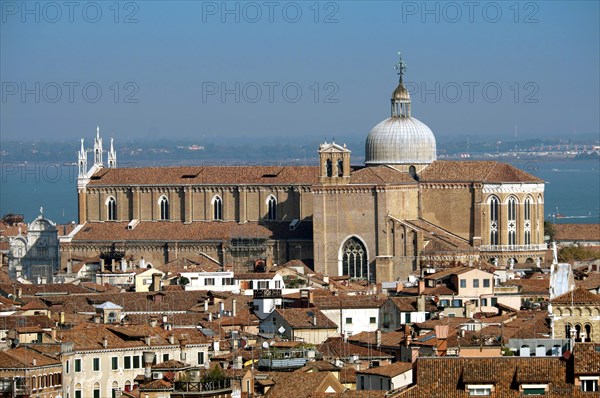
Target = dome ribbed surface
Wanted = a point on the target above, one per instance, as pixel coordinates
(400, 140)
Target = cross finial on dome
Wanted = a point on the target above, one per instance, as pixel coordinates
(400, 66)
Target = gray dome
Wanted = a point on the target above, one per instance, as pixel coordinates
(400, 140)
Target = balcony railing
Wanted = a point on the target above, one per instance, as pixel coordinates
(201, 387)
(513, 248)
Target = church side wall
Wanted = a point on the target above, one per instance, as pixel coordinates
(188, 204)
(450, 207)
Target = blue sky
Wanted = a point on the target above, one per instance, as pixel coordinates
(290, 69)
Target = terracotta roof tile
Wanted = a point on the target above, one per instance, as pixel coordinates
(587, 358)
(391, 370)
(348, 301)
(447, 377)
(24, 357)
(301, 318)
(475, 171)
(336, 347)
(196, 231)
(207, 175)
(577, 296)
(577, 232)
(380, 175)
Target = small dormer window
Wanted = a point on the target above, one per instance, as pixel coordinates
(534, 389)
(480, 389)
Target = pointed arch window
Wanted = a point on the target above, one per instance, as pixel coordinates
(163, 202)
(512, 221)
(111, 209)
(328, 168)
(527, 221)
(354, 259)
(272, 208)
(494, 220)
(217, 208)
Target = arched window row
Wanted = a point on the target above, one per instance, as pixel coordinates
(46, 381)
(579, 333)
(511, 219)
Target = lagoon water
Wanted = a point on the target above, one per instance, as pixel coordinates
(572, 189)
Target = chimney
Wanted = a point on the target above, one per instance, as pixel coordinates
(407, 335)
(221, 308)
(314, 320)
(69, 266)
(206, 305)
(171, 339)
(421, 287)
(148, 357)
(234, 305)
(105, 342)
(378, 338)
(156, 282)
(153, 322)
(19, 292)
(61, 317)
(142, 263)
(239, 363)
(147, 340)
(210, 316)
(421, 304)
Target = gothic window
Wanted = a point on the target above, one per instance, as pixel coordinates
(164, 208)
(494, 220)
(512, 221)
(340, 167)
(217, 208)
(111, 209)
(588, 332)
(354, 259)
(328, 168)
(527, 221)
(272, 208)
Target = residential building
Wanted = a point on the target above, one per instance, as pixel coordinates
(308, 325)
(388, 377)
(576, 315)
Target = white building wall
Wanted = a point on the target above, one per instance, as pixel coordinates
(360, 319)
(106, 376)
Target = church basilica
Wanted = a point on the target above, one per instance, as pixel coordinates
(400, 211)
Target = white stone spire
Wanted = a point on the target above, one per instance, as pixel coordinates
(112, 156)
(82, 160)
(98, 149)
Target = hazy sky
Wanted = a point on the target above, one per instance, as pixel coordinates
(204, 69)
